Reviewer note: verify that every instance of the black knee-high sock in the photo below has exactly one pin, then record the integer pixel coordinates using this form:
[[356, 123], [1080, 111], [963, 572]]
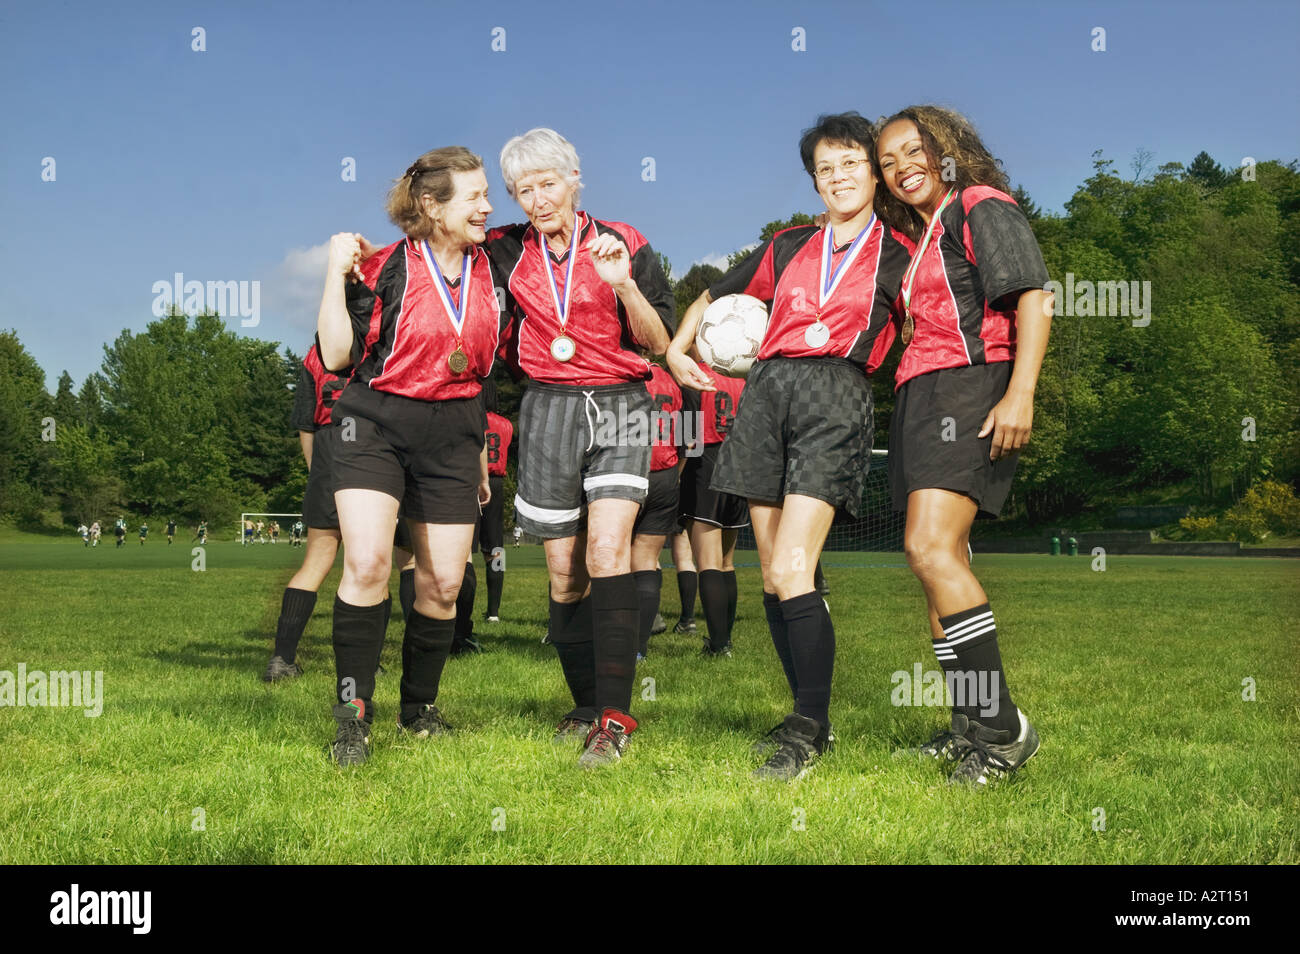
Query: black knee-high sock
[[496, 580], [295, 611], [614, 614], [687, 582], [733, 596], [812, 646], [972, 663], [781, 639], [406, 591], [647, 595], [713, 597], [425, 649], [465, 603], [358, 640], [571, 636]]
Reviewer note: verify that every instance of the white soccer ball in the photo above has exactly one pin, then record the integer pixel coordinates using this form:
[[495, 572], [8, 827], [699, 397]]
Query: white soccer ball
[[731, 333]]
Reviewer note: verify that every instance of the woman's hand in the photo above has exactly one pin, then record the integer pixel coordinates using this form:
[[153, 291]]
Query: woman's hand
[[686, 372], [1011, 421], [347, 251], [613, 263]]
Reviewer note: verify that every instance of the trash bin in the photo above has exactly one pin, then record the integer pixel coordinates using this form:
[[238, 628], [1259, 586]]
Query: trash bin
[[1056, 546], [1074, 547]]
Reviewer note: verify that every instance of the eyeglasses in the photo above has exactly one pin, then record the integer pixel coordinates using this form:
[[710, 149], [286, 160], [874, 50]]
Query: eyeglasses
[[826, 170]]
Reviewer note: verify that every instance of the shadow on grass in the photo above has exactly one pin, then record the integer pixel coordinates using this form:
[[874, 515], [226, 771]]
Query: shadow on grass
[[251, 652]]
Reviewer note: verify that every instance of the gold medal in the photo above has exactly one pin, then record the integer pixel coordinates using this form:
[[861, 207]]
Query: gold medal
[[457, 361], [909, 327]]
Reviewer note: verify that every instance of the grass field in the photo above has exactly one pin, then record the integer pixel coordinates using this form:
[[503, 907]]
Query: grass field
[[1134, 677]]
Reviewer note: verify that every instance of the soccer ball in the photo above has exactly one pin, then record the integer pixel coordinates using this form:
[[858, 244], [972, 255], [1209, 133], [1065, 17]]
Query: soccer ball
[[731, 333]]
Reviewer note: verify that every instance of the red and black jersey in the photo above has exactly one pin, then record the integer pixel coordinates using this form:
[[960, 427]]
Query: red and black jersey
[[402, 334], [605, 351], [317, 391], [667, 399], [981, 256], [500, 432], [717, 409], [784, 273]]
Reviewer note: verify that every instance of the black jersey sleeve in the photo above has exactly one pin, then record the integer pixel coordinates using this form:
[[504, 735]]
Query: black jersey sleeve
[[755, 275], [653, 284], [1005, 250], [303, 416]]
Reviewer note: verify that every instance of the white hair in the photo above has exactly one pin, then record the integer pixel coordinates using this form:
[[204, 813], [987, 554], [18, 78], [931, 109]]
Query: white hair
[[541, 150]]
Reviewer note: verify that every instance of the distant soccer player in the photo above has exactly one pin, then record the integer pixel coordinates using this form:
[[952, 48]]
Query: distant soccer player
[[314, 399], [492, 535], [202, 531], [144, 533], [275, 531], [119, 531], [519, 534], [658, 515], [295, 534], [248, 532], [714, 518], [94, 534], [171, 530]]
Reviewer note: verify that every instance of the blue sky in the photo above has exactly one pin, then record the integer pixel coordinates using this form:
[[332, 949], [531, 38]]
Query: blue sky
[[225, 164]]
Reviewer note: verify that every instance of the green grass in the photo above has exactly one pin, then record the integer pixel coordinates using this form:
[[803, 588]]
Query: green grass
[[1133, 677]]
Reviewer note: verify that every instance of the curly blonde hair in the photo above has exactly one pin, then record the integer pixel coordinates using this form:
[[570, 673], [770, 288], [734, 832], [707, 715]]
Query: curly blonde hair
[[945, 135]]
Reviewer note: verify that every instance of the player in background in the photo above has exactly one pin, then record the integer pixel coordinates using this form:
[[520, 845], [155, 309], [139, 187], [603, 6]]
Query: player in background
[[144, 533], [586, 295], [976, 320], [119, 531], [261, 531], [83, 531], [687, 576], [275, 531], [95, 533], [658, 516], [171, 530], [314, 398], [519, 535], [492, 538], [248, 533], [202, 531], [295, 533], [421, 323], [714, 518], [800, 446]]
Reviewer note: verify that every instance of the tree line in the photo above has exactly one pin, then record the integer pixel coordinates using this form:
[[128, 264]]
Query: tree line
[[1194, 401]]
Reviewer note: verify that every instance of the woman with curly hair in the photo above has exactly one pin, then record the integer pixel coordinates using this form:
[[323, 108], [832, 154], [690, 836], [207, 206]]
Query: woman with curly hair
[[975, 327]]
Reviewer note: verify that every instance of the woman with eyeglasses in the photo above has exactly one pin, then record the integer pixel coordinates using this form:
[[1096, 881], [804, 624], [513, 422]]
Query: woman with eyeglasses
[[800, 446]]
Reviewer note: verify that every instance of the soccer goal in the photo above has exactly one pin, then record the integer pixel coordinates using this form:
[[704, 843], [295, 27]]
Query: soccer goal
[[286, 521], [877, 531]]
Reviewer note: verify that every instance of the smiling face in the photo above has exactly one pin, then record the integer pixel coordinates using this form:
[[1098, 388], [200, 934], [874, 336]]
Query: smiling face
[[462, 218], [547, 199], [844, 178], [909, 172]]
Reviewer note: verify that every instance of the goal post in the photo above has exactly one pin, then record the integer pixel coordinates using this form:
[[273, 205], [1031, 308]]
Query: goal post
[[286, 521]]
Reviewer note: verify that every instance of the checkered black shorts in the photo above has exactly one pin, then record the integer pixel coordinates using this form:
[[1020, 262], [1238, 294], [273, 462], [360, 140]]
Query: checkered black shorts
[[804, 426], [579, 444]]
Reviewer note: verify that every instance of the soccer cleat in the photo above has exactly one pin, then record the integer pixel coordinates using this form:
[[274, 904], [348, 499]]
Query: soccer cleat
[[684, 626], [493, 619], [988, 755], [570, 729], [708, 652], [427, 722], [607, 739], [802, 740], [468, 644], [770, 742], [946, 746], [278, 669], [658, 625], [352, 742]]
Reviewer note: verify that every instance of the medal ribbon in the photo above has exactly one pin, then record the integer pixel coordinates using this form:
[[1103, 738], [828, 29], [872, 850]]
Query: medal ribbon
[[830, 281], [909, 277], [561, 311], [454, 314]]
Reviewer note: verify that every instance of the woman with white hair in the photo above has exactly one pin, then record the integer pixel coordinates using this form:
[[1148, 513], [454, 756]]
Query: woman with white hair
[[585, 296]]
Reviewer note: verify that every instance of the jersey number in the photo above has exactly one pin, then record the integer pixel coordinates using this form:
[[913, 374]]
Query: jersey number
[[724, 412], [493, 448]]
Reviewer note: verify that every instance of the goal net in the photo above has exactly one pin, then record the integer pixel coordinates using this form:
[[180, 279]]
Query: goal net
[[874, 538], [267, 522]]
